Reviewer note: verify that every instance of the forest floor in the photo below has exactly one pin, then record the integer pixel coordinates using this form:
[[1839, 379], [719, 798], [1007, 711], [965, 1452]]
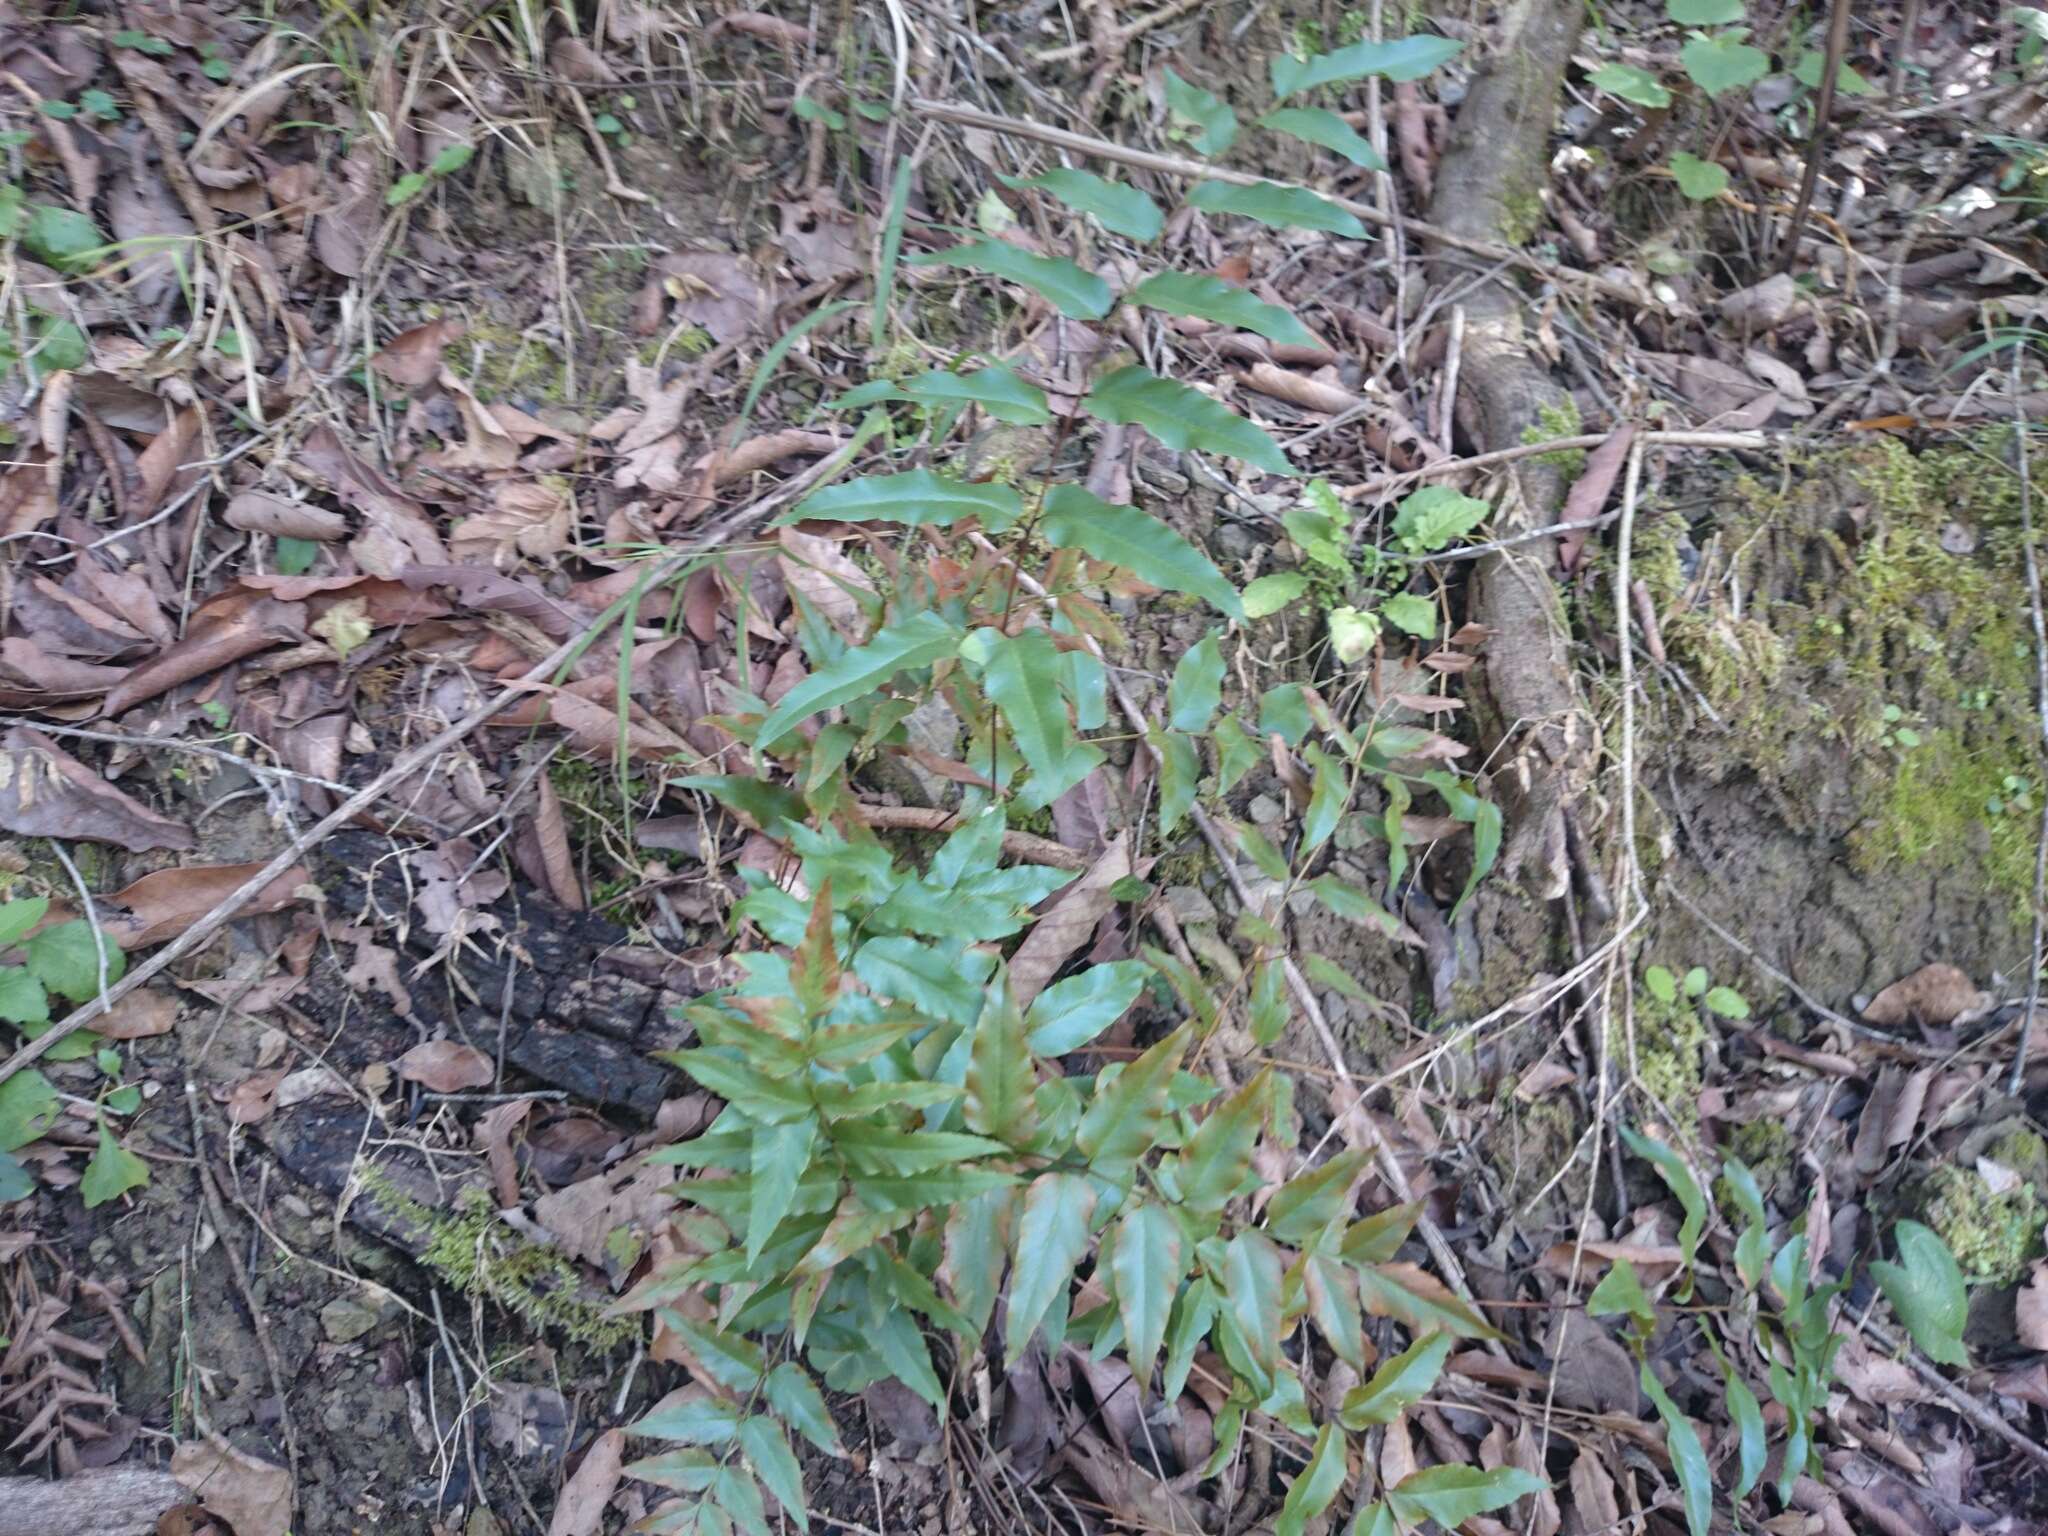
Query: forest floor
[[364, 364]]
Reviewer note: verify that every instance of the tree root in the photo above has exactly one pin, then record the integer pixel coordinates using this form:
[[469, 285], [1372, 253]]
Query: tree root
[[1488, 183]]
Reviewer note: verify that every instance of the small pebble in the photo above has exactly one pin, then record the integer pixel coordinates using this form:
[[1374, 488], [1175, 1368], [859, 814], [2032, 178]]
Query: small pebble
[[1265, 810]]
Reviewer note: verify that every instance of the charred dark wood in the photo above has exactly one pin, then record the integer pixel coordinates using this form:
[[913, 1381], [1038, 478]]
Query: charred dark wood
[[536, 989]]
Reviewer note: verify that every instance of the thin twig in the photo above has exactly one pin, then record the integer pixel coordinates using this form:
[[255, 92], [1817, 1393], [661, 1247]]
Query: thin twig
[[202, 932], [2019, 1060], [1816, 146], [1174, 165], [1734, 442], [1968, 1406]]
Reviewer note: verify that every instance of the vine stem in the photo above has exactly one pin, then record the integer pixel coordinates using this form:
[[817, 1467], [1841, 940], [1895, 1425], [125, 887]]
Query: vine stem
[[1355, 1125]]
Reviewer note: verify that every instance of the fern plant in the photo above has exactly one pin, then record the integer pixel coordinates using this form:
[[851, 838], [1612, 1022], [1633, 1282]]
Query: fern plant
[[900, 1150]]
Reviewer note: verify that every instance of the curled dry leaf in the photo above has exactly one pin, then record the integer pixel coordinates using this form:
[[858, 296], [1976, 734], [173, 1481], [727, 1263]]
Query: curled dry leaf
[[816, 569], [1935, 995], [261, 512], [253, 1496], [239, 623], [446, 1066], [530, 519], [45, 792], [254, 1098], [412, 359], [495, 1129], [1069, 922]]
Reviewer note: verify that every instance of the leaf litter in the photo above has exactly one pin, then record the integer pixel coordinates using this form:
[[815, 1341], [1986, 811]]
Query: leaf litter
[[291, 493]]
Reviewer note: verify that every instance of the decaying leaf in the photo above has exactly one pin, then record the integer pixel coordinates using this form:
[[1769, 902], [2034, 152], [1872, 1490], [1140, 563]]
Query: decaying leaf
[[579, 1511], [1067, 926], [446, 1066], [159, 907], [45, 792], [1936, 995], [253, 1496]]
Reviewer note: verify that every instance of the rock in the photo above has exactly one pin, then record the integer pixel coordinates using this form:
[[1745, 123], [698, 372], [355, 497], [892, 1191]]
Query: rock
[[1190, 904], [344, 1320], [1265, 810]]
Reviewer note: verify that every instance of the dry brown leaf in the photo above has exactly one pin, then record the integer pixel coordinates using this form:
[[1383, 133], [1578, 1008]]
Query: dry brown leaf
[[494, 1131], [237, 624], [582, 1216], [2032, 1309], [494, 592], [716, 290], [1589, 492], [531, 518], [141, 209], [1935, 995], [412, 359], [579, 1511], [138, 1015], [161, 906], [556, 856], [574, 59], [446, 1066], [1299, 389], [375, 967], [1069, 922], [45, 792], [167, 461], [311, 1083], [815, 568], [349, 214], [253, 1496], [397, 532], [27, 499], [254, 1098], [261, 512], [1593, 1497]]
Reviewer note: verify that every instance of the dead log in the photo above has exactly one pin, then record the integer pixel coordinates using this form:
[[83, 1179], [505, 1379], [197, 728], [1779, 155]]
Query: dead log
[[112, 1501]]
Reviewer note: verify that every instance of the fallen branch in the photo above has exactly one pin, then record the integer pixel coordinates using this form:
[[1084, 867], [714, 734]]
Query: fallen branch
[[1174, 165], [202, 932]]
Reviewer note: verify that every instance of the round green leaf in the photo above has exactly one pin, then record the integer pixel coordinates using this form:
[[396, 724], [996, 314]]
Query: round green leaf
[[1698, 179], [1722, 63], [1631, 84], [28, 1107], [66, 958], [1926, 1289], [63, 237], [1268, 594]]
